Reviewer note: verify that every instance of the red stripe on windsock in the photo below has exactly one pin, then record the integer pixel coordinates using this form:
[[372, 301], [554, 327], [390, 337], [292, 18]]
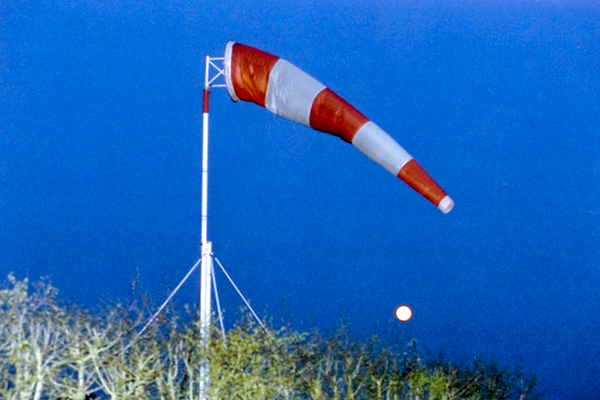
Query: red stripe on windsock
[[416, 177], [332, 114], [250, 70]]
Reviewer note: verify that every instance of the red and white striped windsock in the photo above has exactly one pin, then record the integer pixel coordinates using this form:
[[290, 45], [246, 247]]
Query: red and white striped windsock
[[269, 81]]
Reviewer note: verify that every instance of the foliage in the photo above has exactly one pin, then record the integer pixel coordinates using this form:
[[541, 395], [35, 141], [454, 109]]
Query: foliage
[[51, 351]]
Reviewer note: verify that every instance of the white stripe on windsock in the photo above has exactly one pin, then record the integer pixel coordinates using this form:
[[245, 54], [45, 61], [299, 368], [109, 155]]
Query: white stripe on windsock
[[380, 147], [291, 92]]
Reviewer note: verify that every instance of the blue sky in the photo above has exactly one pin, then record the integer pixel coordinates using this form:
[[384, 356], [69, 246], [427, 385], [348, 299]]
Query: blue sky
[[100, 128]]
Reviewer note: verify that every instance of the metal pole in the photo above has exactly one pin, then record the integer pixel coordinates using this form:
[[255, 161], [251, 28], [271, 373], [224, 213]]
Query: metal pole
[[206, 266]]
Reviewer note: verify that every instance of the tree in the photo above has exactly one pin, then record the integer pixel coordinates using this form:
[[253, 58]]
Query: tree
[[51, 351], [32, 339]]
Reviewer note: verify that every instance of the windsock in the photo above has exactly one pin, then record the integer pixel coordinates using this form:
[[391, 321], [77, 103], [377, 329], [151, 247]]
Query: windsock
[[271, 82]]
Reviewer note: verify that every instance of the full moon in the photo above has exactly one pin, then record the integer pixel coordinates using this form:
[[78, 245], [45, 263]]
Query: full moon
[[403, 313]]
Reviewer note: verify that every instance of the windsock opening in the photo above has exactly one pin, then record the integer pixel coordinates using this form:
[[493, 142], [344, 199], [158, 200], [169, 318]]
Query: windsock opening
[[446, 205]]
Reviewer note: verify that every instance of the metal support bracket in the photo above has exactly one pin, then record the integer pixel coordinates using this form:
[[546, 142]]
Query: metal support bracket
[[216, 69]]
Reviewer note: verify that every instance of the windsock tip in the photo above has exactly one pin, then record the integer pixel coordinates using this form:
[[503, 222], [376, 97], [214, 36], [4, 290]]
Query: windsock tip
[[446, 205]]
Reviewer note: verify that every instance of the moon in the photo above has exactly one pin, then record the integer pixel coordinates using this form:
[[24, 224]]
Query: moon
[[403, 313]]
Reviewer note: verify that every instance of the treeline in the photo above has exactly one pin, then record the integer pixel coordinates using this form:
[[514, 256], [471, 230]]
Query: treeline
[[53, 351]]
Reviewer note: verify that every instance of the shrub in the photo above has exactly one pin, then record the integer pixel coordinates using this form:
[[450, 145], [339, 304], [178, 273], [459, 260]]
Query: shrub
[[51, 351]]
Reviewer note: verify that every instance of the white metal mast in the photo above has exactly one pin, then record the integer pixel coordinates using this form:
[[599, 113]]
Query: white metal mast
[[207, 256], [206, 249]]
